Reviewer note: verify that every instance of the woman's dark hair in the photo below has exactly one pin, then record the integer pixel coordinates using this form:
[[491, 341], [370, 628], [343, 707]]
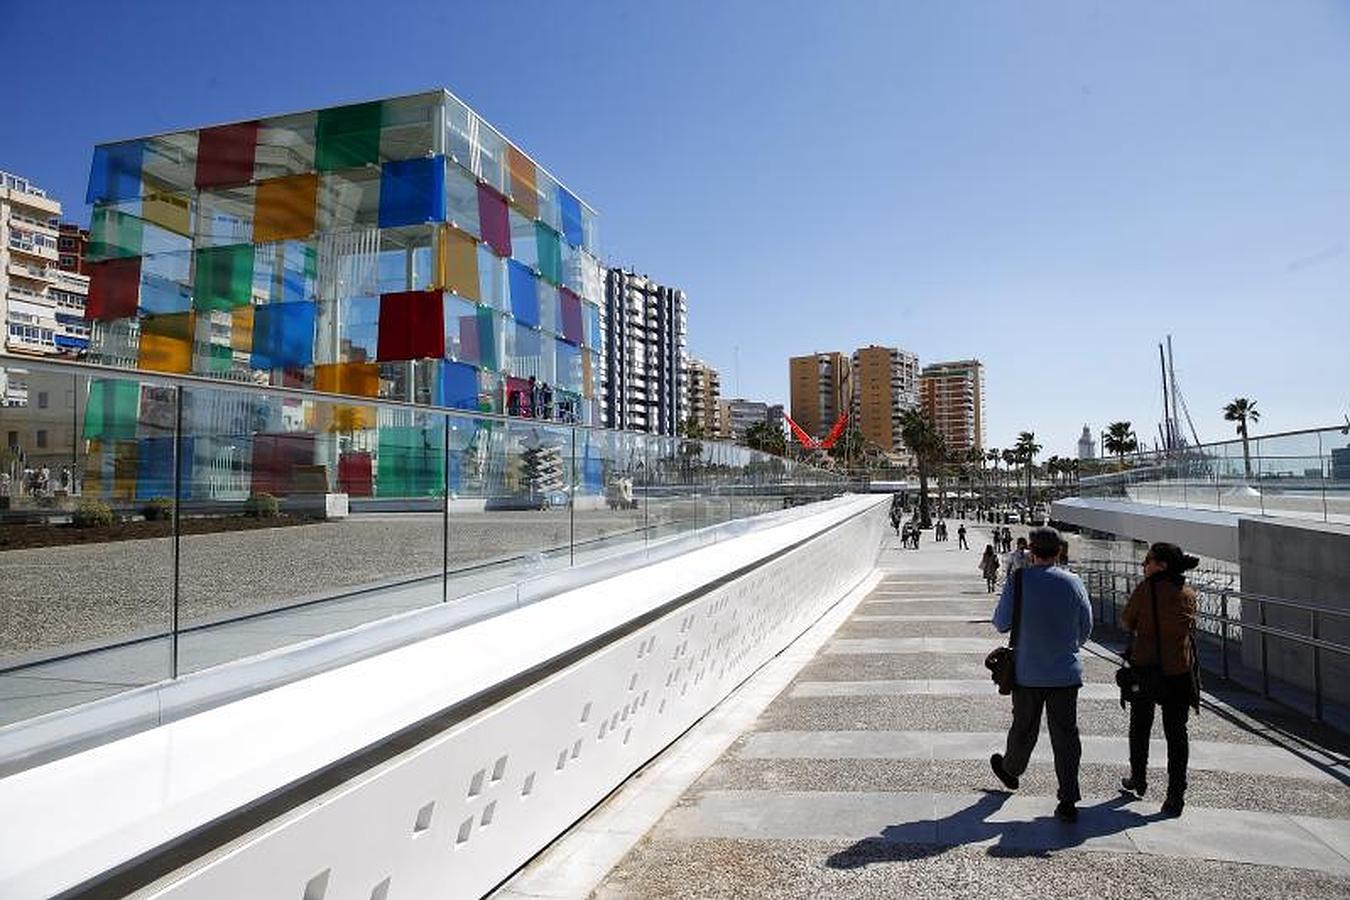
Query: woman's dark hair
[[988, 549], [1173, 559]]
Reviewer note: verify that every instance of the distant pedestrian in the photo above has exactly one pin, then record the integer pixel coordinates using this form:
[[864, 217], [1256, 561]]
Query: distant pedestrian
[[1160, 614], [1053, 621], [961, 543], [1020, 557], [896, 516], [989, 567]]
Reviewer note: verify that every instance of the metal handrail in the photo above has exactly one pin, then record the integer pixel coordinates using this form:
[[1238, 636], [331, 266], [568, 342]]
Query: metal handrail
[[1234, 593], [1313, 640]]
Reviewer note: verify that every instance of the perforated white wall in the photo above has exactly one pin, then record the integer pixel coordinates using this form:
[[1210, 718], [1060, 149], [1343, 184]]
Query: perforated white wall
[[457, 814]]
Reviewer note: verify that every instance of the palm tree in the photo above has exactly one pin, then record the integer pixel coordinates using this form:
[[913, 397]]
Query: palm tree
[[1026, 451], [923, 439], [993, 454], [1120, 440], [1243, 411]]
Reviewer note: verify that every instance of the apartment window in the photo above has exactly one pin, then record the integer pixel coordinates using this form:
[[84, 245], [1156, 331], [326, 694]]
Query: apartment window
[[42, 399], [42, 438]]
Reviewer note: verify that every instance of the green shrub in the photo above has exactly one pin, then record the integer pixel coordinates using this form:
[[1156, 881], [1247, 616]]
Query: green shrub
[[92, 514], [261, 506], [157, 509]]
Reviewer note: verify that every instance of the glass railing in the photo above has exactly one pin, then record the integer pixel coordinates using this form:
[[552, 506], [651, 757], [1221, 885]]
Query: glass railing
[[1300, 474], [153, 526]]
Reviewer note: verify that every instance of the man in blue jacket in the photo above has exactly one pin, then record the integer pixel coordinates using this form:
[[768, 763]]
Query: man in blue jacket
[[1055, 621]]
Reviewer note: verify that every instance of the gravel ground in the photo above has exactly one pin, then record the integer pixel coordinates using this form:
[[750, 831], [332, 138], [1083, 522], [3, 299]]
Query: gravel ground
[[52, 597], [1220, 790], [926, 712], [812, 869]]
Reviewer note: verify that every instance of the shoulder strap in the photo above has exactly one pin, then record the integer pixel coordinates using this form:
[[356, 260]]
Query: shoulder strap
[[1017, 607], [1157, 623]]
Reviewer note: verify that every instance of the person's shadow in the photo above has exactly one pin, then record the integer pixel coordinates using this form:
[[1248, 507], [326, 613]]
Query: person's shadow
[[932, 836]]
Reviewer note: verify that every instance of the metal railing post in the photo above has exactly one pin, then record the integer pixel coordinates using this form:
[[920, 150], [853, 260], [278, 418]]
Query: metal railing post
[[1223, 632], [177, 522]]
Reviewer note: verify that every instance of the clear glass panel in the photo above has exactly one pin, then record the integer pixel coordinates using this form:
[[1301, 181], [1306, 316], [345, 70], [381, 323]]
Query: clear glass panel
[[85, 476], [524, 247], [407, 261], [263, 466], [285, 146], [462, 200]]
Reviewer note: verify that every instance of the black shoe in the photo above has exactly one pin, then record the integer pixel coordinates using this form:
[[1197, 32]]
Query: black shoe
[[1173, 806], [1066, 812], [1131, 786], [996, 763]]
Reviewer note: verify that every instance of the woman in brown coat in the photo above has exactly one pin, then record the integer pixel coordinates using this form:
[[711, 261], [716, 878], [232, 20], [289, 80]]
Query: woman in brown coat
[[1170, 680]]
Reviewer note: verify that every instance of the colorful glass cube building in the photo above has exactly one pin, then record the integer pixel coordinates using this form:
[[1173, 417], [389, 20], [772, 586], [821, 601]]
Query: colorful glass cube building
[[400, 248]]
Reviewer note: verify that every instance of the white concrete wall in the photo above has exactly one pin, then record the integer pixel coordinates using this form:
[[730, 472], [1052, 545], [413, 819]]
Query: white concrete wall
[[457, 813], [1212, 534]]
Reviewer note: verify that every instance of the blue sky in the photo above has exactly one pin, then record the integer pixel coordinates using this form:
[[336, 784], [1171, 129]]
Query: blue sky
[[1051, 187]]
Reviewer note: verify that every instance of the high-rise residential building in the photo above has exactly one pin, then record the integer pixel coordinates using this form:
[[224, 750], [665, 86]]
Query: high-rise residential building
[[952, 393], [739, 414], [401, 247], [43, 308], [885, 385], [821, 386], [645, 354], [703, 387], [72, 243]]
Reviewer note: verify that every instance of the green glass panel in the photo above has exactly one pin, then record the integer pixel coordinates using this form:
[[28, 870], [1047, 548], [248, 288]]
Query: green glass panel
[[550, 252], [220, 359], [487, 338], [411, 461], [112, 410], [224, 278], [114, 234], [348, 136]]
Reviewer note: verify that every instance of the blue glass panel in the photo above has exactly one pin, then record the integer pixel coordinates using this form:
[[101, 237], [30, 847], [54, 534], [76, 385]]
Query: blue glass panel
[[283, 335], [116, 172], [524, 294], [457, 386], [592, 326], [154, 468], [570, 207], [160, 295], [412, 191]]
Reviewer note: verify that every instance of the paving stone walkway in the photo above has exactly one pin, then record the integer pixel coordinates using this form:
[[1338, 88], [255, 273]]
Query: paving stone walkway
[[868, 777]]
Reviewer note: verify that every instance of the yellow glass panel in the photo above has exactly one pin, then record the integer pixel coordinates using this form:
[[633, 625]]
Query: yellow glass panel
[[342, 418], [241, 329], [524, 191], [459, 263], [169, 211], [124, 470], [166, 343], [357, 379], [164, 353], [284, 208]]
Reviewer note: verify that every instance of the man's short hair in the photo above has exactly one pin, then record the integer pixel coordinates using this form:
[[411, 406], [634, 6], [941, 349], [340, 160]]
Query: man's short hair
[[1044, 542]]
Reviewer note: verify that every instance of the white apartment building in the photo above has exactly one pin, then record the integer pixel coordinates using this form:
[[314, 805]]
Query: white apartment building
[[42, 306], [645, 325]]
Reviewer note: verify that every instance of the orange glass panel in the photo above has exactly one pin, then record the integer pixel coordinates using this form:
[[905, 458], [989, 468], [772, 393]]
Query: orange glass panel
[[357, 379], [284, 208], [524, 191], [459, 263], [241, 329]]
